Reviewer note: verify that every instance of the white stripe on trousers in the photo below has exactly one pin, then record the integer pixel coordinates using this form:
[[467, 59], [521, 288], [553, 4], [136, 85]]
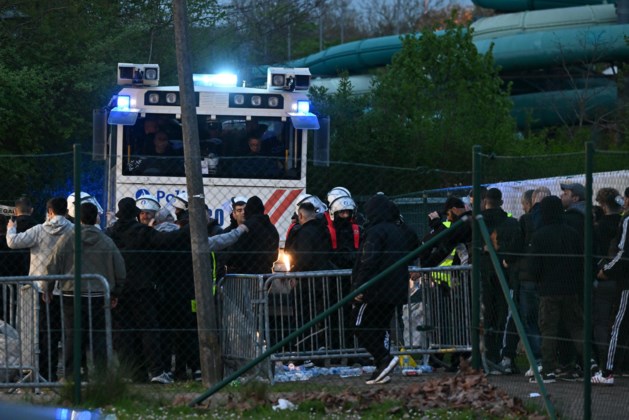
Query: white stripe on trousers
[[361, 311], [505, 333], [620, 315]]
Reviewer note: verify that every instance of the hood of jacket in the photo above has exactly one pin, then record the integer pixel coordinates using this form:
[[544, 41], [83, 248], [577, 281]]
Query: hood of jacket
[[551, 210], [90, 234], [380, 209], [57, 225], [254, 206]]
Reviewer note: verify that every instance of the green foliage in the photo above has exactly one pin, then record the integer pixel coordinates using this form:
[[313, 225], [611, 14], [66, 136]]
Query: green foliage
[[438, 98]]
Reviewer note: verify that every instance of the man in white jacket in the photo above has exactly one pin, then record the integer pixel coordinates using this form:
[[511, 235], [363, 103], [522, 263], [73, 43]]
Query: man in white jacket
[[41, 239]]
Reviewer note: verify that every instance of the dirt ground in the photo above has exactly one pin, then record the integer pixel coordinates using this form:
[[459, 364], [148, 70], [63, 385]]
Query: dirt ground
[[440, 389], [608, 402]]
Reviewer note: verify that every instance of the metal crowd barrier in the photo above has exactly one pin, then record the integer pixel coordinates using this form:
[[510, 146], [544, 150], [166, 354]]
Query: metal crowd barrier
[[259, 311], [32, 331]]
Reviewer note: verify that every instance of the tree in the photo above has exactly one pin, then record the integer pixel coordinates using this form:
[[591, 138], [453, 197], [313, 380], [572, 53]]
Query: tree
[[57, 63], [437, 99]]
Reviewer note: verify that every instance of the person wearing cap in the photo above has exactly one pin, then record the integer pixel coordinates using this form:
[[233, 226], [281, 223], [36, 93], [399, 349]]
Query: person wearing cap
[[573, 201], [454, 249], [460, 241]]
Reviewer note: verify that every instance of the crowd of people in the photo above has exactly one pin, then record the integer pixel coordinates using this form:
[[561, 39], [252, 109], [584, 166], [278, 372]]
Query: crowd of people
[[542, 257], [145, 255]]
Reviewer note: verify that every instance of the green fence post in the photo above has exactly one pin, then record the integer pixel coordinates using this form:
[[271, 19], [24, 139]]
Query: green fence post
[[516, 315], [587, 284], [76, 348], [476, 250]]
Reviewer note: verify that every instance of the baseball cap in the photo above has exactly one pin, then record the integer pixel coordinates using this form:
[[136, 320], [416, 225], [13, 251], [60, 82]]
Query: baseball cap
[[576, 188]]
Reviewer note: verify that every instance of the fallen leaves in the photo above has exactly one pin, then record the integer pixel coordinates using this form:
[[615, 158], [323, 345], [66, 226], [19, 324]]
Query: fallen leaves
[[466, 390]]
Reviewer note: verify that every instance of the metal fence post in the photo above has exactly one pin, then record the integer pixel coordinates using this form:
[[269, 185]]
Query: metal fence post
[[587, 284], [476, 250], [77, 276]]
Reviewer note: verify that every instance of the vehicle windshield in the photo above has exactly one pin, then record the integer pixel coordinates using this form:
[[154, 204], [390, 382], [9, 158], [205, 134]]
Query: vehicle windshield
[[231, 147]]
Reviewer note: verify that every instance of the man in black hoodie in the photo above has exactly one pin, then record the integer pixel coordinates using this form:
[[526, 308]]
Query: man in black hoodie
[[255, 252], [386, 241], [136, 313], [555, 260]]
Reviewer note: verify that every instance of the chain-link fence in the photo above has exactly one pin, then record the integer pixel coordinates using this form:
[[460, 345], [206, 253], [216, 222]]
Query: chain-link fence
[[431, 328]]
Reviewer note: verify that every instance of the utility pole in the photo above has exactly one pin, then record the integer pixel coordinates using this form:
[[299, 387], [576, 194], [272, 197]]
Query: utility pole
[[209, 345]]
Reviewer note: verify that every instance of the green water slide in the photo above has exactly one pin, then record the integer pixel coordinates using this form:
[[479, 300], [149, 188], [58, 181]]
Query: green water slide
[[521, 5], [526, 44]]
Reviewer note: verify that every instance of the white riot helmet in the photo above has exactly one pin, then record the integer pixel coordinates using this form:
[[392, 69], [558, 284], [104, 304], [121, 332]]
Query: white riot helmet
[[337, 192], [319, 205], [180, 200], [340, 204], [85, 198], [147, 202]]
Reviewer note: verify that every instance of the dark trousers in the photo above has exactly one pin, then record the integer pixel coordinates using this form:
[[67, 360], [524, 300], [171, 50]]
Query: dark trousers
[[619, 331], [98, 343], [137, 337], [494, 316], [49, 337], [528, 305], [604, 304], [309, 303], [553, 311], [179, 334], [510, 334], [372, 323]]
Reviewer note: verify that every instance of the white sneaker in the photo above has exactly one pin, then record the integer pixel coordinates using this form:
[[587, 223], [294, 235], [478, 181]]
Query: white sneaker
[[505, 365], [529, 373], [163, 378], [384, 380], [382, 370], [600, 379]]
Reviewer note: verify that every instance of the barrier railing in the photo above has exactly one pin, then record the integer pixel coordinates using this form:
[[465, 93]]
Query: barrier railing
[[259, 311], [33, 344]]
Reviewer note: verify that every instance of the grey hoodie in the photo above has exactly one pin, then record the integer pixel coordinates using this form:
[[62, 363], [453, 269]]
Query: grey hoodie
[[99, 256], [40, 239]]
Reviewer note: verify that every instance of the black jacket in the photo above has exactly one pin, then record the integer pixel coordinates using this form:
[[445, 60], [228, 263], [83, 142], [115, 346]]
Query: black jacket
[[255, 252], [556, 254], [309, 246], [385, 242], [140, 246], [616, 266], [463, 235]]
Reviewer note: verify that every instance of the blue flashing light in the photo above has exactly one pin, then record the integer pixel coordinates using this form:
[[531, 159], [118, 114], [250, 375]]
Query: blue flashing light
[[303, 107], [63, 414], [123, 102]]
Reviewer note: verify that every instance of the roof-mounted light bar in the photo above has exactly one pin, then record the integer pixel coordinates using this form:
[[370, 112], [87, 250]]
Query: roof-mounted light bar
[[138, 74]]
